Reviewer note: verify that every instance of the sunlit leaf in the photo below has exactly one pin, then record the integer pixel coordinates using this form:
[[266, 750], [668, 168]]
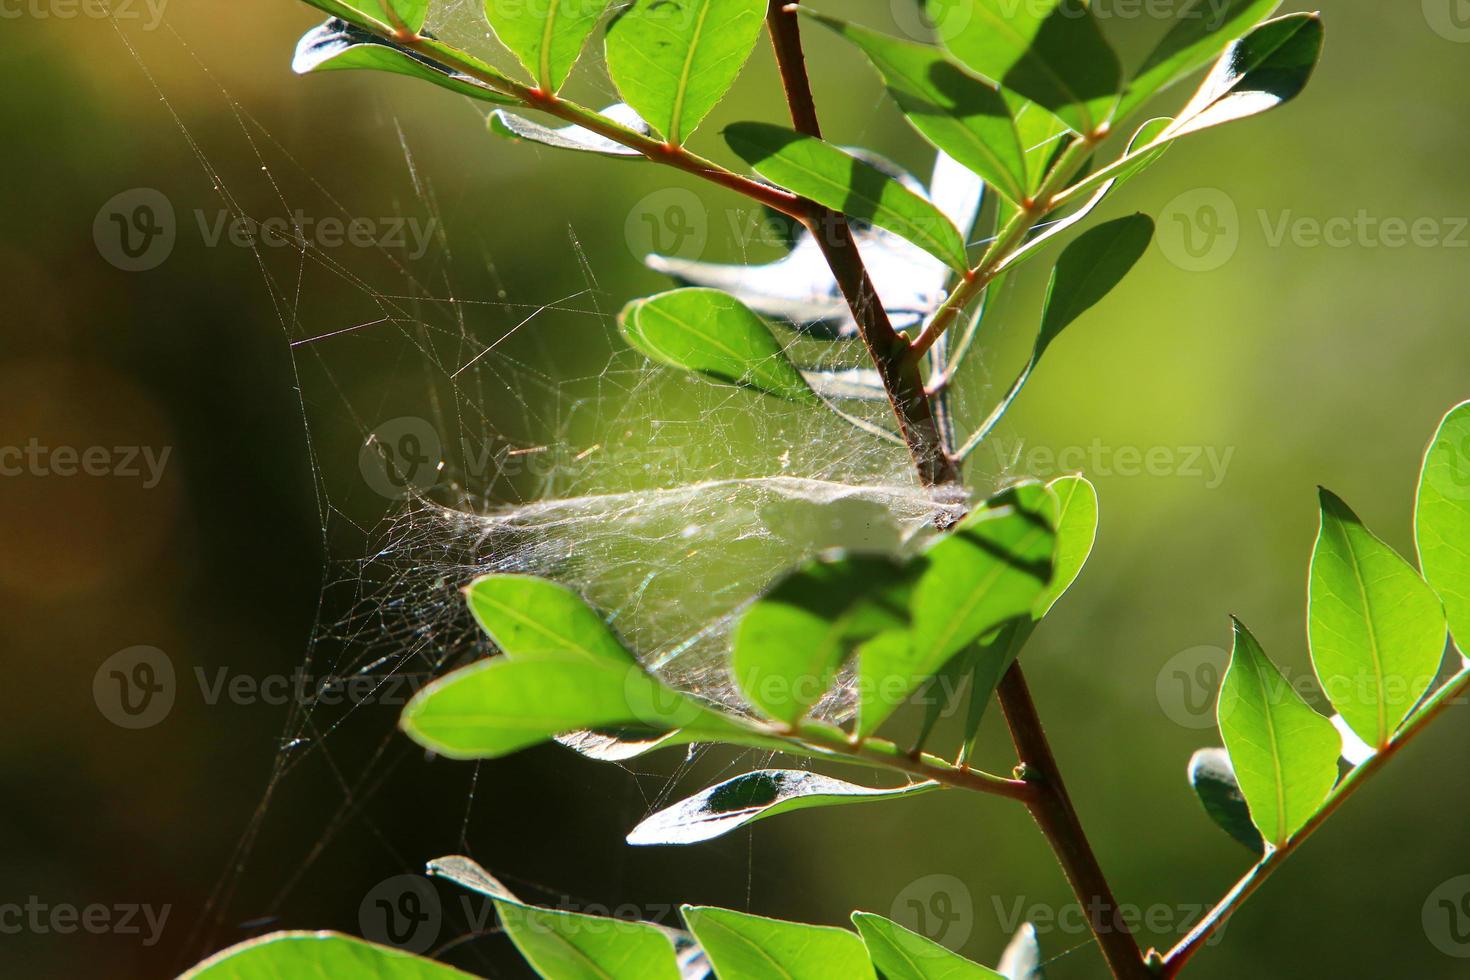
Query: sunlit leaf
[[1049, 51], [547, 36], [902, 954], [750, 947], [1200, 32], [1088, 269], [501, 705], [318, 954], [1022, 957], [843, 182], [1213, 780], [1442, 519], [960, 114], [337, 46], [1267, 67], [381, 13], [714, 334], [673, 60], [754, 796], [512, 126], [1284, 754], [1377, 631], [528, 616], [1146, 141], [1355, 751]]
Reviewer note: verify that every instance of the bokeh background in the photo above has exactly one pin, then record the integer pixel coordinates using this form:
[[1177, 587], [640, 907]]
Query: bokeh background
[[1255, 357]]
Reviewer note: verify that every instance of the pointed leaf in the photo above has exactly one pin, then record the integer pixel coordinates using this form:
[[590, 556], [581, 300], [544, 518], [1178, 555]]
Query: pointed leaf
[[547, 36], [1284, 754], [1049, 51], [338, 46], [1022, 957], [512, 126], [1200, 32], [1215, 785], [902, 954], [673, 60], [1077, 519], [501, 705], [714, 334], [318, 954], [1146, 141], [528, 616], [960, 114], [1267, 67], [754, 796], [1088, 270], [751, 947], [1377, 630], [1442, 519], [790, 642], [840, 181]]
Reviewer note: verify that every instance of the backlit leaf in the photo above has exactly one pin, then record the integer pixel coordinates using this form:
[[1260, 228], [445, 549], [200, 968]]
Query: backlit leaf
[[751, 947], [1200, 32], [902, 954], [1442, 519], [547, 36], [318, 954], [338, 46], [528, 616]]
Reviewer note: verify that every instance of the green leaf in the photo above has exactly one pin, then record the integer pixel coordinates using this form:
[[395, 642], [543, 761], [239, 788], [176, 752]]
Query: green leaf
[[750, 947], [1200, 32], [1146, 142], [994, 566], [338, 46], [528, 616], [673, 60], [1442, 519], [502, 705], [1077, 520], [570, 945], [754, 796], [1022, 957], [789, 644], [1284, 754], [517, 127], [714, 334], [318, 954], [1090, 266], [1049, 51], [1269, 66], [368, 13], [1377, 631], [902, 954], [1214, 783], [958, 113], [547, 36], [838, 180]]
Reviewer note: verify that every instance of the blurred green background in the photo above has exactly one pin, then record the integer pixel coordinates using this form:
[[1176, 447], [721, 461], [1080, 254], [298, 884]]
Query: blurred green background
[[1254, 370]]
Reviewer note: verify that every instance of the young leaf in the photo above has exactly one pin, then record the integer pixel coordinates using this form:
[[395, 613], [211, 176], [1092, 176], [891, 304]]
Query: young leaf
[[1022, 957], [1215, 785], [501, 705], [512, 126], [1377, 631], [791, 641], [751, 947], [1442, 519], [569, 945], [754, 796], [995, 566], [961, 115], [528, 616], [673, 60], [1199, 33], [318, 954], [840, 181], [902, 954], [714, 334], [382, 13], [337, 46], [1284, 754], [547, 36], [1088, 269], [1077, 519], [1108, 179], [1049, 51], [1269, 66]]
